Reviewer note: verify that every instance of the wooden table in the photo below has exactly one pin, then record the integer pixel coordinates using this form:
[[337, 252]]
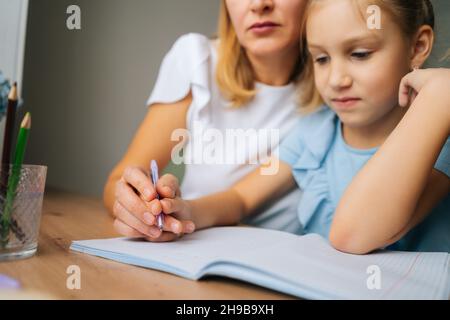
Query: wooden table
[[67, 217]]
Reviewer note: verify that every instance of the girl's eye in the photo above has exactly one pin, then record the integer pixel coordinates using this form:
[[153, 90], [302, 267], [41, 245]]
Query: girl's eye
[[321, 60], [361, 54]]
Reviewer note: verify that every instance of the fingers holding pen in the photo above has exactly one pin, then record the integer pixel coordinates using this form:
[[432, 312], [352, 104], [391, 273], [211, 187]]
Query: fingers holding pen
[[168, 186], [176, 215], [137, 206], [172, 231], [127, 197], [127, 231], [176, 226], [128, 225], [178, 218], [126, 217], [165, 237], [138, 179]]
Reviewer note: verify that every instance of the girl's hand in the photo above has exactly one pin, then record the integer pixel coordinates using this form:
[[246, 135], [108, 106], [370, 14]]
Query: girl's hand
[[178, 217], [436, 80], [136, 206]]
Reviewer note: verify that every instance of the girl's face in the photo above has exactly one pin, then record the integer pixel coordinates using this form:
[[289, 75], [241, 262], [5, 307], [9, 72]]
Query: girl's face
[[267, 27], [357, 71]]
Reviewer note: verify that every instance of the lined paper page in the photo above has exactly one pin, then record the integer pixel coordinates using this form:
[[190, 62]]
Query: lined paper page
[[190, 254], [312, 264], [306, 266]]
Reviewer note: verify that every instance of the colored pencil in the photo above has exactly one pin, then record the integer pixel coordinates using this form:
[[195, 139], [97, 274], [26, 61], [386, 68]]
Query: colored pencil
[[14, 179]]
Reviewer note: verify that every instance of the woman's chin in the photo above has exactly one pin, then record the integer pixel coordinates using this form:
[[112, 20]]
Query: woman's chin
[[265, 47]]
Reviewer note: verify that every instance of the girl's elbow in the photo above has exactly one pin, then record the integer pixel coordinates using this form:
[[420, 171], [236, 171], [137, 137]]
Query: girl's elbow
[[348, 235], [350, 241]]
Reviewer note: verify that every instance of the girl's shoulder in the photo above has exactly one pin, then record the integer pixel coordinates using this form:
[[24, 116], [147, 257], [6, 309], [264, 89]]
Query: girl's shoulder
[[311, 138], [443, 161], [314, 125], [316, 120]]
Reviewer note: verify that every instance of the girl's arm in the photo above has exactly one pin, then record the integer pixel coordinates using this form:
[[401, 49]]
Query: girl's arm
[[229, 207], [243, 199], [398, 186]]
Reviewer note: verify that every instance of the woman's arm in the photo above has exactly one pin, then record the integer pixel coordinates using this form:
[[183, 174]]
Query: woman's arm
[[151, 141], [398, 186]]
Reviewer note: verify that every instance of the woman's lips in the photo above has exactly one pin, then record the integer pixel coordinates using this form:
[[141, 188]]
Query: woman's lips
[[262, 28], [345, 103]]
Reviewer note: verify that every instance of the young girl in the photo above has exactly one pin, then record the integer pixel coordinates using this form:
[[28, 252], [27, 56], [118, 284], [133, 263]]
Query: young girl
[[374, 168], [240, 81]]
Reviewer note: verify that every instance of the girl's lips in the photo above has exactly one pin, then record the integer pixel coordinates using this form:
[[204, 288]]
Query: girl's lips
[[345, 103]]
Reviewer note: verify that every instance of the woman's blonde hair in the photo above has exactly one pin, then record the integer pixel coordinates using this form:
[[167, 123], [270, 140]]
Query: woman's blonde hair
[[234, 73]]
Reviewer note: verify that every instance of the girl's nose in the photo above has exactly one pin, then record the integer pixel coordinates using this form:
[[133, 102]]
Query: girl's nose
[[339, 78], [261, 6]]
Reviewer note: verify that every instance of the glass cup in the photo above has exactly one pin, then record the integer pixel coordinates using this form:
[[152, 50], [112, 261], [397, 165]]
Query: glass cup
[[21, 196]]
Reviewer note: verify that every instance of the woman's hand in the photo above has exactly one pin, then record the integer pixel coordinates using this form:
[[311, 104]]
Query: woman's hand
[[437, 80], [136, 207]]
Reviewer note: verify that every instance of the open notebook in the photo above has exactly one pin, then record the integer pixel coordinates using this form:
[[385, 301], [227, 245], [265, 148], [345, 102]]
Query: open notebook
[[304, 266]]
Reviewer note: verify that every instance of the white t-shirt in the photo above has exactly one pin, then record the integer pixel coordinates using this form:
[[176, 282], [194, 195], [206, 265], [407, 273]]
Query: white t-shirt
[[225, 143]]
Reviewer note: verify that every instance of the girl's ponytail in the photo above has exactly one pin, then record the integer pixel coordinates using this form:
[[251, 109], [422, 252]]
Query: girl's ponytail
[[428, 13]]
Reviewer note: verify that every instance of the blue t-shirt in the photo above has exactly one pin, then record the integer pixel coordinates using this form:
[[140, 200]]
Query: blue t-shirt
[[323, 166]]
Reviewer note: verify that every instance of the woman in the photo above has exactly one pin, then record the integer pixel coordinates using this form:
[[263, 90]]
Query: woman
[[245, 80]]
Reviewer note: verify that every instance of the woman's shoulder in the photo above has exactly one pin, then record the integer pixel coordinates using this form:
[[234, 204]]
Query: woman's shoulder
[[193, 38], [191, 48], [186, 63]]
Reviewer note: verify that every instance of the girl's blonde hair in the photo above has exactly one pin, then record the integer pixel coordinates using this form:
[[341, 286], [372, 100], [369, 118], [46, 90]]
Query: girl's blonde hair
[[234, 73], [446, 56], [410, 15]]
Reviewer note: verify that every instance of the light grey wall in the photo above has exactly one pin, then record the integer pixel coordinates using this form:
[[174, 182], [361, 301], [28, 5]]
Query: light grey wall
[[13, 17], [87, 89], [442, 43], [13, 22]]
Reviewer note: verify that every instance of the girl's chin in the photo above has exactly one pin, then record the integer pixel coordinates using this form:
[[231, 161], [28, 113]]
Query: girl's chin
[[353, 120]]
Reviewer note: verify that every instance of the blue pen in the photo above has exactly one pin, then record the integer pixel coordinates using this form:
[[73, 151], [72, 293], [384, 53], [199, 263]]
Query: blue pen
[[154, 171]]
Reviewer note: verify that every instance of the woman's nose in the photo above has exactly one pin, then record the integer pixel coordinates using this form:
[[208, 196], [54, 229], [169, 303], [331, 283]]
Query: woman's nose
[[261, 6]]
